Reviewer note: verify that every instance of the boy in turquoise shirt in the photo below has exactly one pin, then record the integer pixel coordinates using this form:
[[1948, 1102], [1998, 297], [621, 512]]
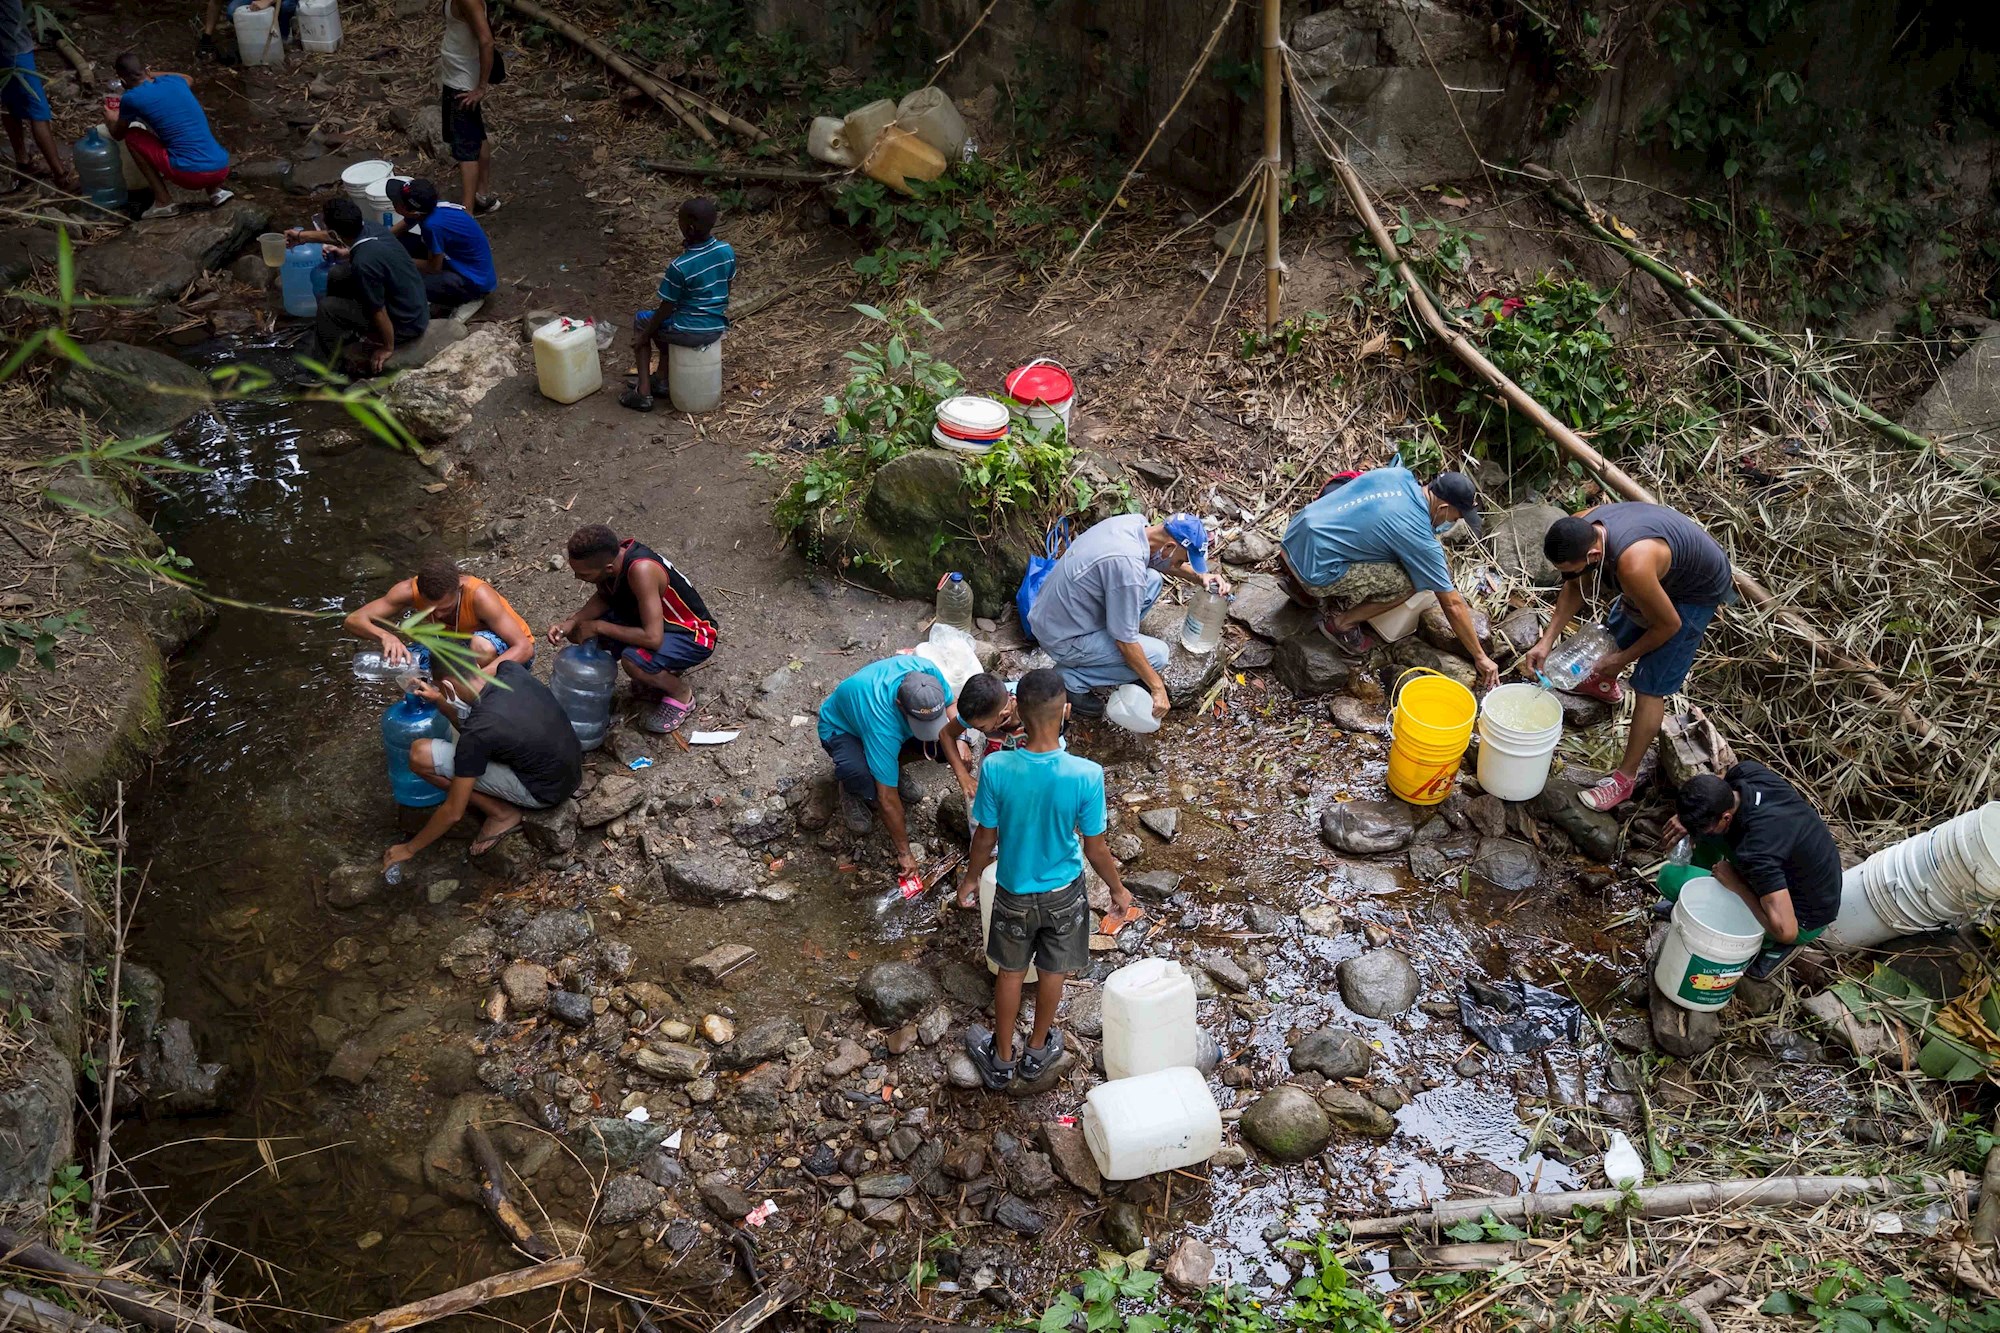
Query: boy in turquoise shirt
[[1044, 807]]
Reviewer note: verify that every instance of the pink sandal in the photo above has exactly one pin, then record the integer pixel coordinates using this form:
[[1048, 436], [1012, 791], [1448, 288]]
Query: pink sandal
[[1612, 792], [667, 716]]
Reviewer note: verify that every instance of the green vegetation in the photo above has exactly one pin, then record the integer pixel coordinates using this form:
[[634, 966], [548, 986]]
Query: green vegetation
[[1118, 1298], [1847, 1300]]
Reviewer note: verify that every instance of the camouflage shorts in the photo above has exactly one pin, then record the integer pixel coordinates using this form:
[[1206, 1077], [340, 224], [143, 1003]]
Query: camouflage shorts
[[1361, 584]]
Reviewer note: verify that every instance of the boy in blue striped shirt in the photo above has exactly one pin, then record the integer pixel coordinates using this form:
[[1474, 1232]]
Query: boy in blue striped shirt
[[694, 301]]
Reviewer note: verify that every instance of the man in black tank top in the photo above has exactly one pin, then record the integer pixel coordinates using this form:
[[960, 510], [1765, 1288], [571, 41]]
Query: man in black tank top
[[647, 614], [1668, 577]]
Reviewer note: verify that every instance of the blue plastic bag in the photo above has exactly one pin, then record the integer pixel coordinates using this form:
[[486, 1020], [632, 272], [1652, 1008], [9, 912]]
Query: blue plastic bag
[[1038, 572]]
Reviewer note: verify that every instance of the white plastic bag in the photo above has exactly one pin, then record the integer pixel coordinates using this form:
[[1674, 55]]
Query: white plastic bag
[[950, 650]]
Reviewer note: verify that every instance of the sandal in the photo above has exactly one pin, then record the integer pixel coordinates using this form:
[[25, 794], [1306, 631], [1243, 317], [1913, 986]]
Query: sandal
[[994, 1072], [1035, 1063], [1594, 686], [638, 402], [667, 716], [481, 846], [1354, 642], [1612, 792]]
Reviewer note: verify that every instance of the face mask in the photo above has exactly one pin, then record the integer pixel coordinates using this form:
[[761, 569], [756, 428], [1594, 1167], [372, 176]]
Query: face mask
[[1160, 561], [459, 707], [1440, 529]]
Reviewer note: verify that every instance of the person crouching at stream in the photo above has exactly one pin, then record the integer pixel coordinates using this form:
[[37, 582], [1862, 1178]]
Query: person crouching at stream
[[1044, 807], [516, 750], [647, 613], [1755, 833], [374, 298], [456, 601]]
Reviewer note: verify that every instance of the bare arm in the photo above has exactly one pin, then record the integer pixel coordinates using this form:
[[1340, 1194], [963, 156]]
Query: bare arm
[[457, 797], [1568, 602], [372, 621], [1097, 851], [967, 783], [1460, 616], [1773, 910], [1135, 657], [494, 619], [474, 13], [1639, 576], [1212, 581], [891, 803], [571, 629]]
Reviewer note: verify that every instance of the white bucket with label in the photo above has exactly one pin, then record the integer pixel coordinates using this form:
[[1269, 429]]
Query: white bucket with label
[[989, 884], [1520, 726], [1713, 937]]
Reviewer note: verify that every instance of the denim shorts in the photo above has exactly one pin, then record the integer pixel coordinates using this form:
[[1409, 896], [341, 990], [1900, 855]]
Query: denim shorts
[[677, 652], [1050, 930], [1664, 670]]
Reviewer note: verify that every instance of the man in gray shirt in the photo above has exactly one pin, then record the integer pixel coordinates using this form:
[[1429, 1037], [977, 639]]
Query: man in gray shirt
[[1087, 614]]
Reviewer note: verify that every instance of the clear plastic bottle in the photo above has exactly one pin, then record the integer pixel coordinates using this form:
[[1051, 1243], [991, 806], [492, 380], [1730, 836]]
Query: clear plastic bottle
[[1575, 656], [954, 602], [1683, 852], [371, 666], [114, 97], [582, 682], [1202, 630]]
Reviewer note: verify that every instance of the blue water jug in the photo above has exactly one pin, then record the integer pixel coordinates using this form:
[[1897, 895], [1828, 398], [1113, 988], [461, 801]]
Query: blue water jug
[[100, 170], [408, 720], [300, 282], [583, 681]]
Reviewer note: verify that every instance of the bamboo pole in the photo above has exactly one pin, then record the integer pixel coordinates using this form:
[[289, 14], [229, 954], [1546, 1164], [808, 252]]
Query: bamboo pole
[[86, 73], [470, 1296], [1578, 448], [617, 64], [1274, 119], [34, 1315], [731, 172], [154, 1309], [1566, 198]]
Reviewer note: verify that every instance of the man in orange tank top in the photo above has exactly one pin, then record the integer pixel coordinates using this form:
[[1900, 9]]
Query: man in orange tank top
[[456, 601]]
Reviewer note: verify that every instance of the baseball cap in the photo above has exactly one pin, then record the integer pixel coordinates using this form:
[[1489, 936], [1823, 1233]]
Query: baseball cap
[[1456, 490], [1188, 531], [413, 193], [921, 699]]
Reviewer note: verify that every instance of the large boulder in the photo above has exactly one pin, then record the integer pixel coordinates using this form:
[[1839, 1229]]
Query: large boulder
[[1308, 665], [1381, 983], [1261, 605], [435, 402], [1287, 1125], [1515, 538], [895, 992], [155, 261], [21, 248], [1963, 407], [708, 876], [1596, 833], [439, 335], [1187, 675], [36, 1125], [130, 391]]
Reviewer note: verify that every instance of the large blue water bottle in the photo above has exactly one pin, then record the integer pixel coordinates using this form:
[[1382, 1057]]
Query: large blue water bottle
[[99, 170], [302, 264], [408, 720]]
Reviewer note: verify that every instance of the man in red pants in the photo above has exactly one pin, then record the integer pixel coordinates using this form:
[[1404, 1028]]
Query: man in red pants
[[167, 131]]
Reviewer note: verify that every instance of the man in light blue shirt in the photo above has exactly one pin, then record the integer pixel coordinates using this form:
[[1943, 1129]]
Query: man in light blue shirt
[[1369, 545], [1044, 808]]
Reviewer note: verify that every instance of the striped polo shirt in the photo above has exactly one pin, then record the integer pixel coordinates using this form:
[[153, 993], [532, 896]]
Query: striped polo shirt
[[697, 283]]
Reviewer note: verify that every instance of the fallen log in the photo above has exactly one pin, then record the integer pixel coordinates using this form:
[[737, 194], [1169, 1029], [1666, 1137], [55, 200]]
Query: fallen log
[[493, 1194], [20, 1310], [725, 172], [1613, 476], [470, 1296], [617, 64], [761, 1307], [86, 73], [1659, 1201], [154, 1309]]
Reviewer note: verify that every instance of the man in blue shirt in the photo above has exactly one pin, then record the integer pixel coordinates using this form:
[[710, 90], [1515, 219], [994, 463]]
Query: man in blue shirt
[[23, 104], [1044, 807], [447, 243], [173, 145], [1369, 545], [694, 301]]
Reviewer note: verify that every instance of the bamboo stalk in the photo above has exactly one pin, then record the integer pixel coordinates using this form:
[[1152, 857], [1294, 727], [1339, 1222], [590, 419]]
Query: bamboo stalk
[[20, 1310], [1274, 119], [729, 171], [154, 1309], [470, 1296], [617, 64], [1578, 448]]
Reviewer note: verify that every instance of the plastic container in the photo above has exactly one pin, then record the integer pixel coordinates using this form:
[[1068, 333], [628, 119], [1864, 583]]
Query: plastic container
[[1939, 878], [989, 884], [114, 97], [1622, 1168], [1131, 707], [301, 279], [257, 39], [865, 124], [100, 175], [958, 444], [974, 417], [1713, 938], [1573, 658], [827, 142], [930, 114], [272, 244], [357, 178], [694, 377], [954, 602], [1155, 1122], [318, 23], [953, 652], [582, 682], [1429, 726], [1858, 926], [1520, 726], [566, 364], [1207, 612], [899, 157], [1400, 622], [405, 722], [378, 208], [1149, 1020], [371, 666], [1046, 393]]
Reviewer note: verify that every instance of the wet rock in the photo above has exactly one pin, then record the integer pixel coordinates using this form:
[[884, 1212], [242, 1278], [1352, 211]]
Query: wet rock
[[1287, 1125], [671, 1062], [1596, 833], [614, 794], [354, 884], [933, 1026], [721, 961], [570, 1007], [1156, 472], [895, 992], [1071, 1156], [527, 987], [546, 934], [437, 400], [1582, 713], [1367, 828], [1469, 1067], [1381, 983], [551, 832], [1436, 630], [156, 262], [178, 1081], [1163, 824], [131, 390], [721, 1196], [1356, 1112], [473, 955], [1227, 972], [440, 891], [756, 1104], [716, 1030], [621, 1143], [1357, 715], [1507, 864], [1265, 920], [1335, 1053], [1030, 1174], [449, 1170], [1192, 1266], [628, 1198], [708, 877], [1260, 605], [1153, 885], [1514, 536], [847, 1058], [1308, 665], [760, 824], [1018, 1217], [1677, 1031], [1322, 919], [1126, 847], [1123, 1228]]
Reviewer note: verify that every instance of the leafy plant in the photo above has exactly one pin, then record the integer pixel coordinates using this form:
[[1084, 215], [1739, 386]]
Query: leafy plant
[[38, 638], [831, 1310], [1329, 1297], [1097, 1296], [1847, 1300], [67, 1220]]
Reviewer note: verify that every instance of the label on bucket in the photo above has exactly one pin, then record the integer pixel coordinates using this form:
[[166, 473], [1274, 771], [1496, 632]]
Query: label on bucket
[[1709, 983]]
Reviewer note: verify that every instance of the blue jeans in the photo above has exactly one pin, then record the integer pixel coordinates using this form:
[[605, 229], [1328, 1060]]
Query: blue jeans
[[286, 9], [1091, 660], [1664, 670]]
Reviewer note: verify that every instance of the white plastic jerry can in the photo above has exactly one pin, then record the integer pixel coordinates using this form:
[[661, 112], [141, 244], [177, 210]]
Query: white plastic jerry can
[[566, 364]]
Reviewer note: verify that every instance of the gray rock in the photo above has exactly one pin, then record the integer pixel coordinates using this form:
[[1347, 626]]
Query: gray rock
[[1030, 1174], [933, 1026], [1333, 1052], [1415, 652], [437, 400], [1265, 920], [1515, 538], [847, 1058], [722, 1197], [1086, 1012], [1581, 712], [1488, 814], [1322, 919], [671, 1061], [552, 831], [1157, 472], [1164, 824], [760, 824], [1355, 1112], [178, 1080], [1153, 885], [621, 1143], [1380, 983], [130, 390], [21, 249], [756, 1102], [721, 961], [1018, 1217], [959, 1071], [1126, 847], [1685, 1033], [1227, 972], [708, 877], [764, 1040], [570, 1007], [1249, 548], [440, 891], [1507, 863], [895, 992], [1357, 715], [1307, 665], [1287, 1125], [1192, 1266], [562, 930], [155, 261], [1261, 605], [1965, 402], [354, 884], [1516, 634], [527, 987], [1367, 828], [910, 500], [1596, 833], [614, 794], [1123, 1227], [628, 1198], [472, 955], [1071, 1156], [1437, 631]]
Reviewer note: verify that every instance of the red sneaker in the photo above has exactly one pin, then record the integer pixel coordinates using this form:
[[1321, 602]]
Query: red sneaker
[[1594, 686]]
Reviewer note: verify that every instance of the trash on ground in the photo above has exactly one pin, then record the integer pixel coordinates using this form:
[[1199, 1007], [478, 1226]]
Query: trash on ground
[[1515, 1018]]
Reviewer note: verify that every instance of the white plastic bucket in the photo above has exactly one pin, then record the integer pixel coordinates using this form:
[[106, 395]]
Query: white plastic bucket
[[378, 208], [1400, 622], [1154, 1122], [319, 26], [1857, 926], [1713, 938], [357, 179], [257, 40], [958, 446], [694, 377], [1519, 728]]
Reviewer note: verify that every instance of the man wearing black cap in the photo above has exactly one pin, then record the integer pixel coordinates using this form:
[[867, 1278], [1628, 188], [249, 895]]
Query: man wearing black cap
[[864, 725], [448, 246], [1371, 545]]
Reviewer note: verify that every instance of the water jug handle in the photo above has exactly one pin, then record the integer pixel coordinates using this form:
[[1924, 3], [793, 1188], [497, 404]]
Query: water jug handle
[[1397, 688]]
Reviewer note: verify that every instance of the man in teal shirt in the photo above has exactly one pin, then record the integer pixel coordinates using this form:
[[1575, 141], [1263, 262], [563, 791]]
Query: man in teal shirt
[[1044, 807]]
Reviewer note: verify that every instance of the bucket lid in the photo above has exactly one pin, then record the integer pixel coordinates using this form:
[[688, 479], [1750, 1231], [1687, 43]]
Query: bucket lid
[[961, 433], [961, 445], [984, 417], [363, 174], [1042, 382]]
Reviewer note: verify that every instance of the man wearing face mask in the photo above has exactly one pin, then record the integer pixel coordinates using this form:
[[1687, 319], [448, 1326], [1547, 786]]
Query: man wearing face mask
[[1371, 545], [1087, 614], [515, 751]]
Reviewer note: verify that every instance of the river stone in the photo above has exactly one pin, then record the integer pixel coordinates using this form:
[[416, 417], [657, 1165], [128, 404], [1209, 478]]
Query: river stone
[[1126, 847], [1322, 919], [354, 884], [760, 824], [1514, 536], [1380, 983], [1581, 712], [554, 932], [1018, 1217], [527, 987], [1333, 1052], [37, 1123], [1153, 885], [1435, 627], [1367, 828], [672, 1061], [959, 1071], [571, 1007], [1260, 604], [621, 1143], [1265, 920], [472, 955], [894, 992], [719, 1192], [1356, 1112], [1415, 653], [1228, 973], [708, 877], [1507, 863], [614, 794], [122, 409], [1071, 1156], [155, 261], [1357, 715], [628, 1198], [437, 400], [1596, 833], [21, 249], [448, 1168], [1164, 824], [1308, 665], [756, 1102], [1515, 635], [1085, 1015], [1286, 1124], [1192, 1266], [1123, 1227], [1249, 548], [552, 831], [766, 1039], [922, 495]]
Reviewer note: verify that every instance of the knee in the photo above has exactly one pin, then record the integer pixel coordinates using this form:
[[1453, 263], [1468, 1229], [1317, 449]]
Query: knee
[[1156, 651], [420, 757]]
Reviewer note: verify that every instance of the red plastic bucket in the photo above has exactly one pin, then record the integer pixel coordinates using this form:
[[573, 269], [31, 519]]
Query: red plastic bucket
[[1046, 390]]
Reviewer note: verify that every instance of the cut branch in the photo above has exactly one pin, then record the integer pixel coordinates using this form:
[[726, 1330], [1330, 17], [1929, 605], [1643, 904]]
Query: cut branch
[[20, 1310], [470, 1296], [726, 172], [493, 1194], [152, 1308]]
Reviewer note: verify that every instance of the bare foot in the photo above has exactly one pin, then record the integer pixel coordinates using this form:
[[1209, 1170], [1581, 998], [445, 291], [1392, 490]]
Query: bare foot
[[495, 828]]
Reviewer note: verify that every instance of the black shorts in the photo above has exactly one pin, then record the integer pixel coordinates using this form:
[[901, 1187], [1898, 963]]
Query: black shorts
[[1050, 930], [464, 126]]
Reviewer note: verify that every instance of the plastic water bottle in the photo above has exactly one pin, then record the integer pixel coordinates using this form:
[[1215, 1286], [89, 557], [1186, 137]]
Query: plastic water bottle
[[582, 682], [301, 278], [954, 602], [114, 97], [407, 721], [1201, 632], [1622, 1166], [99, 172], [1682, 854], [371, 666], [1575, 656]]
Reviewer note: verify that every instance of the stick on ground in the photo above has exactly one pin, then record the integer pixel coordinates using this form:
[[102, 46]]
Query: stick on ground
[[493, 1194], [470, 1296], [154, 1309]]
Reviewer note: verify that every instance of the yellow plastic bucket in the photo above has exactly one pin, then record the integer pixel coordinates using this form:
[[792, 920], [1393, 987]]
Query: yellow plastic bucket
[[1430, 725]]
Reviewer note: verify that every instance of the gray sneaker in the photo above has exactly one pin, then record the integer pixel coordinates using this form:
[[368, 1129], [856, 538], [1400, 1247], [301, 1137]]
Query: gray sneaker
[[994, 1072], [855, 811], [1033, 1063]]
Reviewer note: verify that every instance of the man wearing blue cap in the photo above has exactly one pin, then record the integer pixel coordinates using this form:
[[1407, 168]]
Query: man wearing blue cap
[[1087, 614]]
